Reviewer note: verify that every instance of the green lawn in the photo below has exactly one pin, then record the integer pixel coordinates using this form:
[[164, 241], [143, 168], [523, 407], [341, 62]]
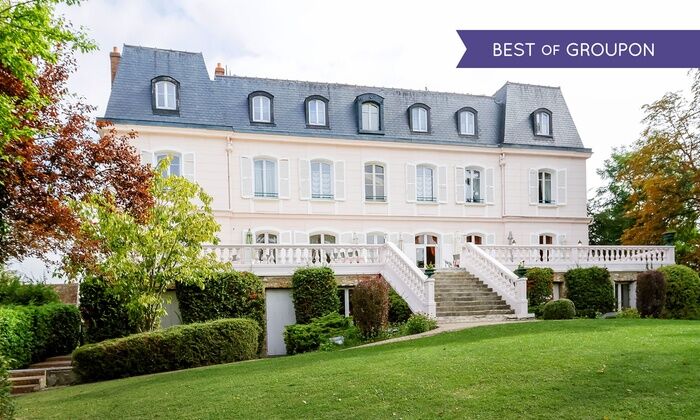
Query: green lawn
[[554, 369]]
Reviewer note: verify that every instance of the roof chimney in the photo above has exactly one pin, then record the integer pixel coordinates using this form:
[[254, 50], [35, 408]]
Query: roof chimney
[[114, 58], [219, 71]]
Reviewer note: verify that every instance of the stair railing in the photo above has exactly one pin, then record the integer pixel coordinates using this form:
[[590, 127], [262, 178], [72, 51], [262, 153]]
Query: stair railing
[[408, 280]]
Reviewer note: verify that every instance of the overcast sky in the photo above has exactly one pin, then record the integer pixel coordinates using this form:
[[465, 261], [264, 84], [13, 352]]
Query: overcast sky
[[406, 44]]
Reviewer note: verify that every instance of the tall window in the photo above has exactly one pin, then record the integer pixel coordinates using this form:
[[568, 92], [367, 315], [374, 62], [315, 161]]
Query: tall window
[[322, 238], [266, 254], [467, 122], [374, 182], [265, 178], [321, 179], [316, 112], [376, 238], [370, 116], [175, 167], [426, 250], [425, 190], [166, 95], [260, 104], [419, 118], [544, 182], [472, 185], [543, 122]]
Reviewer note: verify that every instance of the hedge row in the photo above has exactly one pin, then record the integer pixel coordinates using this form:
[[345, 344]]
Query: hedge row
[[174, 348], [7, 405], [104, 311], [33, 333], [14, 292]]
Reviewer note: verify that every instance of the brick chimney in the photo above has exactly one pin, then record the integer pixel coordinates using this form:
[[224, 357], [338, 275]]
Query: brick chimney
[[219, 71], [114, 58]]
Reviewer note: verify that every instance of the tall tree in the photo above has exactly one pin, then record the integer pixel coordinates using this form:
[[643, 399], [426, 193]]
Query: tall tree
[[608, 208]]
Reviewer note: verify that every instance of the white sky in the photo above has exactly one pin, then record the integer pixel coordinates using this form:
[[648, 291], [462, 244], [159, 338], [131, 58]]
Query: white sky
[[407, 44]]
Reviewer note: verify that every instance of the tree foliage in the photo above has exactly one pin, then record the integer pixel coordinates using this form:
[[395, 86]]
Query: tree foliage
[[608, 208], [145, 258]]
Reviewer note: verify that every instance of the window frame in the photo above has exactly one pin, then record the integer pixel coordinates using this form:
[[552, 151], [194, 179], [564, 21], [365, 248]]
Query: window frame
[[321, 195], [428, 127], [169, 153], [165, 111], [269, 96], [482, 182], [266, 194], [376, 234], [379, 102], [541, 184], [325, 101], [458, 117], [424, 199], [374, 198], [551, 123]]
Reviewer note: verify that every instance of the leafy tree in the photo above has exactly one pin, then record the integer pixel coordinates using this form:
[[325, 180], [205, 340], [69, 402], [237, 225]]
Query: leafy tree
[[146, 258], [608, 208]]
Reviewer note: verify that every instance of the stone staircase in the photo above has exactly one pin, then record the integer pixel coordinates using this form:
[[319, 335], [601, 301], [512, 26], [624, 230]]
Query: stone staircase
[[461, 296], [54, 371]]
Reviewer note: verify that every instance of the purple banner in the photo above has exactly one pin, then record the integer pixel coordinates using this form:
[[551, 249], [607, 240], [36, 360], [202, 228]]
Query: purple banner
[[580, 49]]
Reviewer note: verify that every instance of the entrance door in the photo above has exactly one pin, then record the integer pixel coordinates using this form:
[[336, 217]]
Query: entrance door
[[426, 250]]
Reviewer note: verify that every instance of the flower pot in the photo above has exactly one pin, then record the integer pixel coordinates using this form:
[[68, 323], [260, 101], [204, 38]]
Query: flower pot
[[429, 272]]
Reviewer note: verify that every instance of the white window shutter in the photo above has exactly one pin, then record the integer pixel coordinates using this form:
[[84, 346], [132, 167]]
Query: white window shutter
[[561, 187], [490, 239], [362, 238], [442, 184], [534, 239], [339, 170], [459, 184], [188, 166], [561, 239], [410, 183], [394, 238], [286, 237], [304, 180], [490, 189], [284, 178], [246, 177], [301, 238], [532, 187], [147, 157], [346, 238]]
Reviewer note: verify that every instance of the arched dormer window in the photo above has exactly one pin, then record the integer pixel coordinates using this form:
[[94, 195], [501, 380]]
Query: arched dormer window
[[419, 118], [261, 108], [370, 114], [165, 95], [542, 122], [467, 122], [316, 108]]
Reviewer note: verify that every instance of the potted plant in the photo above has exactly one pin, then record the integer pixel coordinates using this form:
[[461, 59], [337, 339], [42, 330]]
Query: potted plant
[[521, 270], [429, 270]]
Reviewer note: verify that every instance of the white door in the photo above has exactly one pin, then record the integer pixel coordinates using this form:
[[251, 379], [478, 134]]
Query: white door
[[280, 313]]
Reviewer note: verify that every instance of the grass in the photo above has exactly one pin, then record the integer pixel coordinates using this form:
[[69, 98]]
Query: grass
[[622, 368]]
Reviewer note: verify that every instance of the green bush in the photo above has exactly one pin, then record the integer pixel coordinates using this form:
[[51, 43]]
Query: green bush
[[419, 323], [536, 310], [301, 338], [631, 313], [682, 292], [230, 294], [16, 337], [591, 290], [399, 311], [7, 405], [370, 306], [314, 292], [14, 292], [179, 347], [104, 311], [651, 293], [559, 309], [539, 285], [56, 330]]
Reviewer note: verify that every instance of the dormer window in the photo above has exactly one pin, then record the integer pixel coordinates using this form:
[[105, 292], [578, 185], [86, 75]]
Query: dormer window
[[261, 108], [165, 95], [542, 122], [316, 112], [467, 122], [370, 113], [370, 116], [419, 118]]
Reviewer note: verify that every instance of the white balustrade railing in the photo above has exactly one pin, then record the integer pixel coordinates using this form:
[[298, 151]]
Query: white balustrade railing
[[563, 257], [386, 259], [497, 276]]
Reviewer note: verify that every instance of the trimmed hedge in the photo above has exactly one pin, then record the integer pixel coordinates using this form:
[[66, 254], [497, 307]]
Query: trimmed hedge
[[301, 338], [174, 348], [104, 311], [539, 285], [370, 306], [559, 309], [14, 292], [7, 404], [591, 290], [314, 292], [399, 311], [230, 294], [651, 293], [16, 337], [682, 292]]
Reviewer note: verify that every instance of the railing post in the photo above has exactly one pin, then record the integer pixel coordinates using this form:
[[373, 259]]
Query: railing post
[[430, 297], [521, 296]]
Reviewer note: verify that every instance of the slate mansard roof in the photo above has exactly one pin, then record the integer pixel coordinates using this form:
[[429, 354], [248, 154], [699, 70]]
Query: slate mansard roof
[[504, 119]]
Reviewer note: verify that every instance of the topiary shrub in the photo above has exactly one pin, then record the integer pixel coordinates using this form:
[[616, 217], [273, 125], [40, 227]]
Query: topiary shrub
[[651, 293], [314, 292], [14, 292], [559, 309], [591, 290], [301, 338], [56, 329], [419, 323], [16, 336], [104, 311], [682, 292], [229, 294], [7, 404], [174, 348], [370, 306], [399, 311], [539, 285]]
